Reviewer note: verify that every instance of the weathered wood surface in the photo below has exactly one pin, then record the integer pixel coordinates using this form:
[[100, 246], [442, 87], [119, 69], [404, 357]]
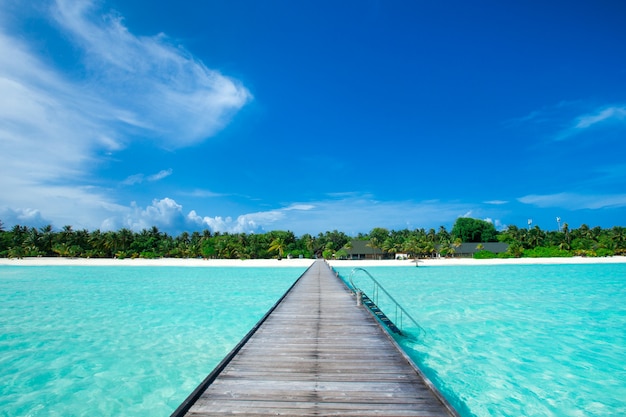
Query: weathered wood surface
[[319, 353]]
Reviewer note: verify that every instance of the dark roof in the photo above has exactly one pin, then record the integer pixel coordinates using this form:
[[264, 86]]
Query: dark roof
[[495, 247], [359, 247]]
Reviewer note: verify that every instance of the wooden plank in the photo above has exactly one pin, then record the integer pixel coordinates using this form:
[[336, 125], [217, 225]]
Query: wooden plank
[[318, 353]]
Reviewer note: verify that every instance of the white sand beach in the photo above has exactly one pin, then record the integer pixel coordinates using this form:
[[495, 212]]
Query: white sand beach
[[43, 261], [470, 261]]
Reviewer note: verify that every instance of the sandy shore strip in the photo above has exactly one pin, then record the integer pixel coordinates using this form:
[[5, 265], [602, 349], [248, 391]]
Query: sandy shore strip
[[302, 263], [576, 260], [52, 261]]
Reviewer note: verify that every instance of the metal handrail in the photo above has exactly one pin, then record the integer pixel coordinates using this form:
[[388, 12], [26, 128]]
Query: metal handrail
[[377, 287]]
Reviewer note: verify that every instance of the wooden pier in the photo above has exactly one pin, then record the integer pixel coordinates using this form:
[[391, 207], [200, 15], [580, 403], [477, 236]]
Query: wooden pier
[[316, 354]]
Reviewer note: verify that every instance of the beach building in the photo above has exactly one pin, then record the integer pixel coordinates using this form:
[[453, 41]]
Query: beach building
[[467, 250], [361, 249]]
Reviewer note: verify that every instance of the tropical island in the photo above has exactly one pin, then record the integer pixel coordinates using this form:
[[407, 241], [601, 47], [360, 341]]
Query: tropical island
[[468, 238]]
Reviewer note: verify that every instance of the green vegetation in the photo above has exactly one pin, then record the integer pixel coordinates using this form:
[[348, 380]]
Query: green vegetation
[[22, 241], [578, 242], [474, 230]]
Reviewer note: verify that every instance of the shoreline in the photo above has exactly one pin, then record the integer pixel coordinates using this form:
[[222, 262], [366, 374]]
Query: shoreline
[[180, 262], [303, 263], [576, 260]]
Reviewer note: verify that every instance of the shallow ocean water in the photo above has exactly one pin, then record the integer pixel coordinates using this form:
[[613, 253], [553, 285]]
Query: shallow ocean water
[[132, 341], [525, 340], [517, 340]]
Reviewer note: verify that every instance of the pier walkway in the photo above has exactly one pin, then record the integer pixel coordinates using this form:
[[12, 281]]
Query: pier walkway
[[316, 354]]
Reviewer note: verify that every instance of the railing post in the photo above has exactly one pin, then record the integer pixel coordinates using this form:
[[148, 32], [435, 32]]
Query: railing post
[[374, 298]]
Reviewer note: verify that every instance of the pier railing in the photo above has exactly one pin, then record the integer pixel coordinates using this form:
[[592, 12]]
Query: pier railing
[[377, 294]]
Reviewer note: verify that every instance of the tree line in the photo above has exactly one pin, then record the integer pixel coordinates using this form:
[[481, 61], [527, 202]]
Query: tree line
[[23, 241]]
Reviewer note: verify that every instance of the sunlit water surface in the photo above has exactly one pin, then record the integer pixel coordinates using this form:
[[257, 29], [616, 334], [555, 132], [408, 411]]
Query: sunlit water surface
[[122, 341], [135, 341], [526, 340]]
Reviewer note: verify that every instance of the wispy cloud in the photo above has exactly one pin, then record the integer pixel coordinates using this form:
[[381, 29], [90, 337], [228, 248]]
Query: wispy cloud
[[200, 193], [133, 179], [173, 96], [574, 201], [160, 175], [603, 115], [350, 215], [568, 119], [165, 213], [139, 178], [55, 125], [614, 116], [248, 223]]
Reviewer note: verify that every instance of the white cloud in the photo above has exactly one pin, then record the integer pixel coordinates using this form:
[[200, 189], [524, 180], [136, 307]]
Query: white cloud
[[303, 207], [497, 223], [568, 119], [605, 116], [354, 214], [245, 223], [133, 179], [30, 217], [54, 127], [573, 201], [351, 216], [165, 213], [157, 86], [59, 205], [160, 175], [199, 193], [139, 178], [45, 134]]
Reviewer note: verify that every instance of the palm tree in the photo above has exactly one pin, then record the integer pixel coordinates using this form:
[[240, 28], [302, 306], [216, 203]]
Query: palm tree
[[429, 248], [124, 239], [18, 233], [110, 243], [443, 235], [309, 243], [566, 232], [278, 244], [454, 246], [432, 235], [66, 235], [515, 249], [618, 235], [32, 242], [535, 237], [374, 244], [62, 249], [97, 244], [47, 238], [412, 247]]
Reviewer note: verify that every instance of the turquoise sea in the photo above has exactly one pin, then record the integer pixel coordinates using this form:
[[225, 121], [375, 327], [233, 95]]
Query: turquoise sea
[[518, 340], [523, 340], [122, 341]]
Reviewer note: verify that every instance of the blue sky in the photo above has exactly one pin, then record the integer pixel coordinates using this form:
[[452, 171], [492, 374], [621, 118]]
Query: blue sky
[[246, 116]]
